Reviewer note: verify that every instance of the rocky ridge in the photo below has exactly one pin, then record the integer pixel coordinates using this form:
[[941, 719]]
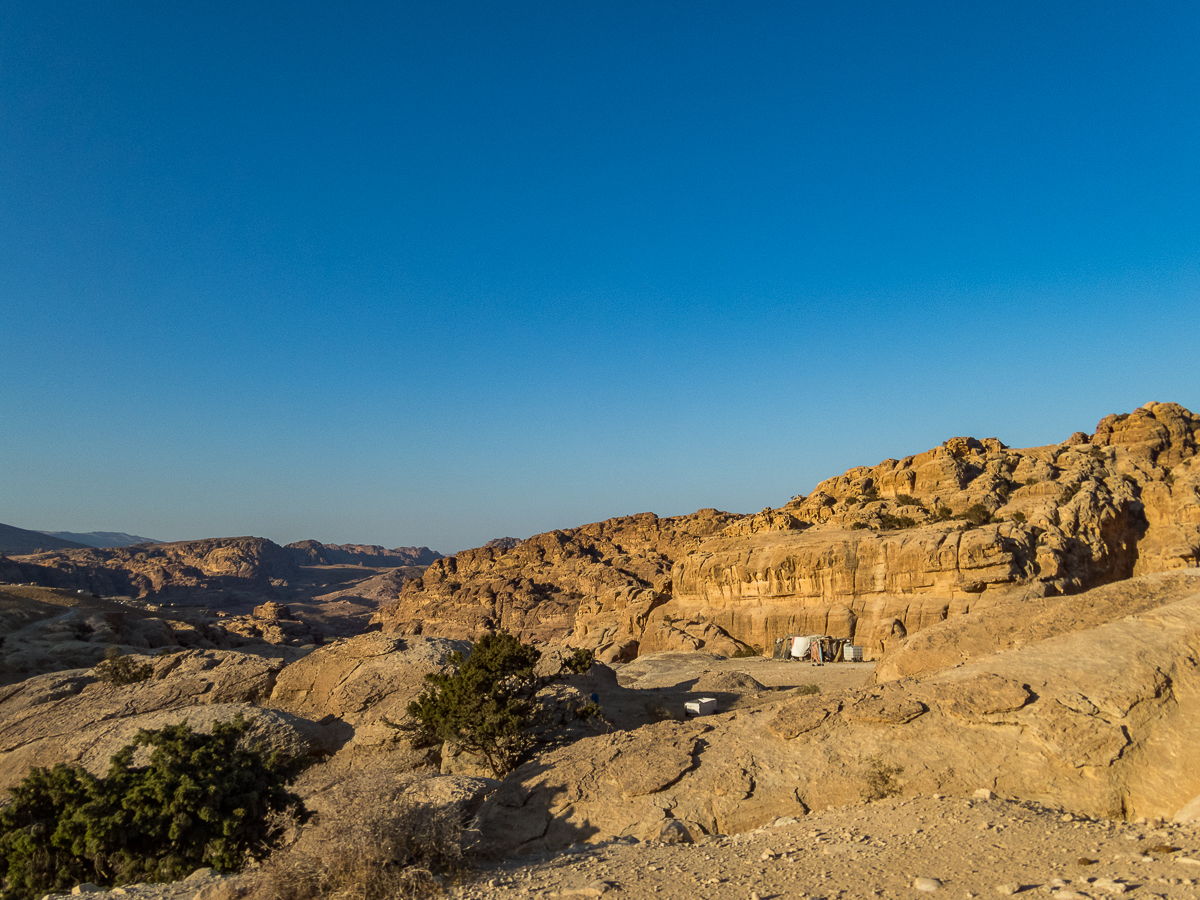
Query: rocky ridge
[[314, 553], [872, 555], [175, 572]]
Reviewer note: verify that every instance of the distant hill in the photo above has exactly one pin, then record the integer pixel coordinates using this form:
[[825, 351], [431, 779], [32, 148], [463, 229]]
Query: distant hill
[[314, 553], [19, 540], [102, 538]]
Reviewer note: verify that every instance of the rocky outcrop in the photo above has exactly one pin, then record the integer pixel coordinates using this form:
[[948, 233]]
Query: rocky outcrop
[[51, 630], [534, 589], [1100, 721], [364, 682], [166, 572], [273, 623], [873, 555], [885, 551], [73, 717], [314, 553]]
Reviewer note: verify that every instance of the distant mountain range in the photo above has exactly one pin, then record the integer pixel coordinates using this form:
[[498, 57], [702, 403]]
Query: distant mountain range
[[102, 538], [19, 540]]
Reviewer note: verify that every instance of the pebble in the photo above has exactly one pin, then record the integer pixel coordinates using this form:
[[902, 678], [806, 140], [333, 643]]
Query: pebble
[[1007, 889], [927, 884]]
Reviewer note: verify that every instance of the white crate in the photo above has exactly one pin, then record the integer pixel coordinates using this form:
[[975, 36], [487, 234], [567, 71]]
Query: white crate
[[850, 653], [702, 707]]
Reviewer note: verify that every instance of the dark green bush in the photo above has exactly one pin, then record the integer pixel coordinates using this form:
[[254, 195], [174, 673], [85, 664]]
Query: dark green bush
[[977, 514], [1068, 493], [203, 800], [119, 669], [1018, 517], [943, 514], [579, 662], [908, 500], [484, 707], [1030, 482], [893, 522]]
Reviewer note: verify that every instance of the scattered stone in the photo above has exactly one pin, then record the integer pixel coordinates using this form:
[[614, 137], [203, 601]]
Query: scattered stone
[[86, 888], [1007, 890], [927, 884], [984, 794]]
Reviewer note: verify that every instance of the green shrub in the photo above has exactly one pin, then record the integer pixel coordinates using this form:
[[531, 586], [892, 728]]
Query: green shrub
[[119, 669], [579, 662], [879, 780], [893, 522], [1019, 517], [806, 690], [202, 800], [871, 494], [1030, 482], [977, 514], [908, 500], [943, 514], [1068, 493], [859, 526], [485, 705]]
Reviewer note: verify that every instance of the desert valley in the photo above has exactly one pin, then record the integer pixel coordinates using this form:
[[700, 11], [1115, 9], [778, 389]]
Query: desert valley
[[1026, 715]]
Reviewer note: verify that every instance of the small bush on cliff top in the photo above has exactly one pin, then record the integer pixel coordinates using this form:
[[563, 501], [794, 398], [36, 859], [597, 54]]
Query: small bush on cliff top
[[119, 669], [202, 801]]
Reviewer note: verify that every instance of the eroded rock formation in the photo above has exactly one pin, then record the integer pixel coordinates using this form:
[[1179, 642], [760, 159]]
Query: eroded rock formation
[[874, 555]]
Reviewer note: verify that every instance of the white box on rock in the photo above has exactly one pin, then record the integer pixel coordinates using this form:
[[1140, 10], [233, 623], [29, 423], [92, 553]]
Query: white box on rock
[[702, 707]]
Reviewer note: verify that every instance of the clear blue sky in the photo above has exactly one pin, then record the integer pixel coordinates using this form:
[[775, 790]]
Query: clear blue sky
[[431, 273]]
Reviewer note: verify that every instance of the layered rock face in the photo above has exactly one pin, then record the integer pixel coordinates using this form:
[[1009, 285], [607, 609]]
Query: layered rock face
[[314, 553], [535, 589], [872, 555]]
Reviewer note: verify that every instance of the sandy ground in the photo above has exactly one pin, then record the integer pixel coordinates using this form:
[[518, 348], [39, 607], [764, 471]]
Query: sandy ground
[[671, 669], [960, 848]]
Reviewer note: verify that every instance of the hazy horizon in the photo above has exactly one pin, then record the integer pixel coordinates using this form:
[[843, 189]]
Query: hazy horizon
[[419, 275]]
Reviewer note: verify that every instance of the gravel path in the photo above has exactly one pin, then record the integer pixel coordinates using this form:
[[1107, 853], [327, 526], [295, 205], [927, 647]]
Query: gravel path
[[949, 847]]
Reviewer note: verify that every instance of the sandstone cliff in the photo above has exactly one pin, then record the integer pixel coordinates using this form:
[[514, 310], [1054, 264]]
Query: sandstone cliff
[[535, 588], [873, 555]]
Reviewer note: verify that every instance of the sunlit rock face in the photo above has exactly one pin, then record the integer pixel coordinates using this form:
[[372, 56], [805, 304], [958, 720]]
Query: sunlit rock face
[[874, 555]]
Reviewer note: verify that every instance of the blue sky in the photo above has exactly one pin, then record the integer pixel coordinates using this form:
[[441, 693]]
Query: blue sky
[[406, 273]]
